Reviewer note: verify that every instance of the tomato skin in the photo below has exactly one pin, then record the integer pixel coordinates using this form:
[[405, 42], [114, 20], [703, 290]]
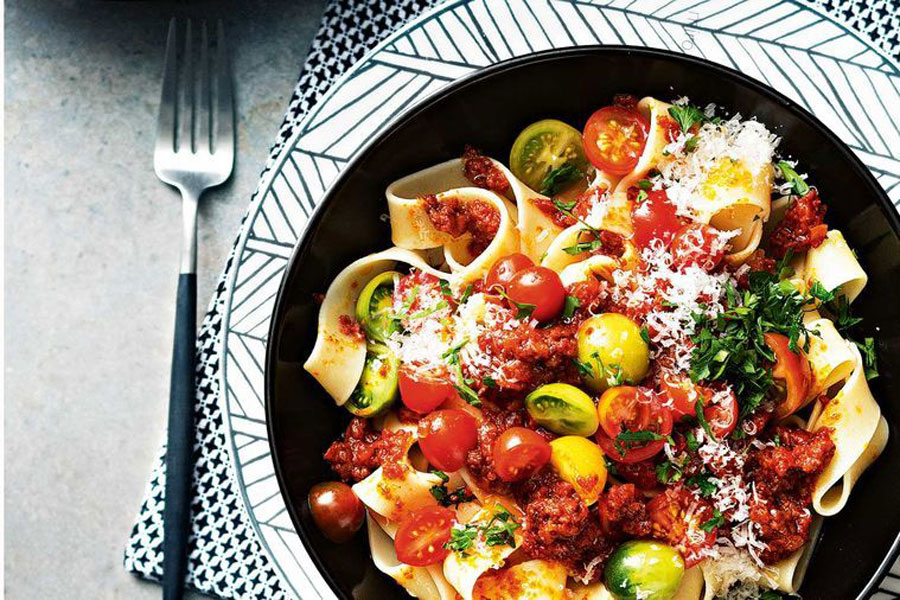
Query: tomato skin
[[519, 453], [722, 417], [541, 287], [669, 514], [697, 244], [503, 270], [627, 408], [336, 510], [793, 369], [423, 394], [681, 395], [654, 218], [445, 436], [422, 534], [614, 138]]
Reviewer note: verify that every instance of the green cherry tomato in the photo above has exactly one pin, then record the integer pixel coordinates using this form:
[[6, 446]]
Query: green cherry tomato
[[563, 409], [377, 387], [375, 305], [645, 570], [546, 146], [611, 351]]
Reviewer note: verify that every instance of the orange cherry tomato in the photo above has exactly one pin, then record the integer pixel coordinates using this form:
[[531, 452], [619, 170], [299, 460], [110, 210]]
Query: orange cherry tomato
[[723, 416], [446, 436], [614, 138], [423, 394], [627, 409], [422, 534], [519, 453], [504, 269], [697, 244], [676, 517], [792, 369], [336, 510], [540, 287], [654, 218]]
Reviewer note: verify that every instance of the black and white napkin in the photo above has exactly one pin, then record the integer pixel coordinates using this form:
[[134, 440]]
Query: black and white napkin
[[226, 558]]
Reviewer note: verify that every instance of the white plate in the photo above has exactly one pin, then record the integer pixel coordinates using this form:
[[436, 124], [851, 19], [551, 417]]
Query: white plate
[[817, 62]]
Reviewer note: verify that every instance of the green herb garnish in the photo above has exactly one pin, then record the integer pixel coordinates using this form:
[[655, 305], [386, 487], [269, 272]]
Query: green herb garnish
[[557, 178], [799, 186], [716, 521], [569, 307]]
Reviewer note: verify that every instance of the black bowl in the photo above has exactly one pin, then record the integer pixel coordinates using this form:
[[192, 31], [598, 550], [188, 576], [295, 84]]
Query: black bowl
[[487, 110]]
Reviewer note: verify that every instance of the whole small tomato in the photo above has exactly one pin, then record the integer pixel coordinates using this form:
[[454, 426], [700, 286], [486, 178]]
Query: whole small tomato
[[538, 287], [336, 510]]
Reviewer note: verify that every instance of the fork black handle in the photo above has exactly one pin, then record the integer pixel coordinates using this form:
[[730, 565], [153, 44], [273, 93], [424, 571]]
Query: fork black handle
[[179, 466]]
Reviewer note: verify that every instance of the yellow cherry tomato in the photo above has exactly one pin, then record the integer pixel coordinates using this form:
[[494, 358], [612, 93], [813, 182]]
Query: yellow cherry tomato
[[611, 351], [580, 462]]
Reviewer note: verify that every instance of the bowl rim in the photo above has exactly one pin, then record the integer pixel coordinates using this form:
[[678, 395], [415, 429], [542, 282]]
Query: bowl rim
[[411, 113]]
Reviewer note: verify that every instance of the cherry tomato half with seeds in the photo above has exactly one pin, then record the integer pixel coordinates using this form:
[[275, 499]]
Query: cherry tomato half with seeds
[[446, 436], [654, 218], [676, 517], [503, 270], [791, 372], [519, 453], [722, 417], [614, 138], [680, 395], [627, 410], [422, 534], [423, 394], [336, 510], [541, 288]]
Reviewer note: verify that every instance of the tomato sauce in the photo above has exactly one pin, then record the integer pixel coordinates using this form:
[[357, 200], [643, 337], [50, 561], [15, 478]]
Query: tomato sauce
[[784, 476], [351, 328], [475, 217], [803, 226], [481, 171]]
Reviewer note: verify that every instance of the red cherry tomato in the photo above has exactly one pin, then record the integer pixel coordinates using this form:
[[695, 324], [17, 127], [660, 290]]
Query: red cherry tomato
[[697, 244], [541, 288], [654, 218], [676, 517], [519, 453], [723, 416], [445, 436], [614, 138], [504, 269], [423, 394], [791, 372], [336, 510], [422, 534], [680, 395], [624, 409]]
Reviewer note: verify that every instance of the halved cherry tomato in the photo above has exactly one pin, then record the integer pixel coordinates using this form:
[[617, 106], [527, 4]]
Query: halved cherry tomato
[[422, 534], [540, 287], [423, 394], [614, 138], [698, 244], [336, 510], [676, 517], [445, 436], [723, 416], [792, 368], [630, 409], [519, 453], [654, 218], [504, 269], [680, 394]]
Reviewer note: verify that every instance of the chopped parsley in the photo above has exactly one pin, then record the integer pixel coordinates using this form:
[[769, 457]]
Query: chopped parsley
[[626, 438], [701, 418], [566, 209], [569, 307], [523, 309], [799, 186], [669, 472], [489, 382], [717, 520], [687, 116], [589, 246], [462, 385], [644, 184], [702, 482], [462, 538], [444, 496], [691, 441], [467, 293], [645, 334], [870, 363], [499, 531], [557, 178], [429, 311]]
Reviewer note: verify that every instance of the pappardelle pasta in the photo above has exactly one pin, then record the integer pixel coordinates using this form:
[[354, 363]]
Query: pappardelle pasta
[[616, 367]]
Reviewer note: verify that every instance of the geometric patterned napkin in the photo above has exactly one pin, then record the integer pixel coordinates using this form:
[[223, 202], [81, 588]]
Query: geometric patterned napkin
[[226, 558]]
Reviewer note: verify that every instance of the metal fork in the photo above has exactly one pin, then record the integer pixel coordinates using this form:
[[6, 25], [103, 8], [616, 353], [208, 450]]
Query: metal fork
[[194, 151]]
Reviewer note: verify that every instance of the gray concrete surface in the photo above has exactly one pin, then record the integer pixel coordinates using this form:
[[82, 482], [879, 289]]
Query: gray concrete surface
[[92, 250]]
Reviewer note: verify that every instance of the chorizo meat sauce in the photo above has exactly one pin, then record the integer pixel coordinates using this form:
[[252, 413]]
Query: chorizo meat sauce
[[678, 496]]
